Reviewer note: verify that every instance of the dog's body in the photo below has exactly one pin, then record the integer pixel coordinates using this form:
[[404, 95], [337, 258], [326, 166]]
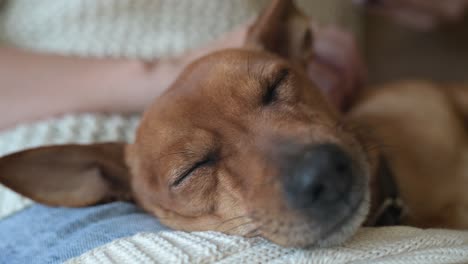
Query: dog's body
[[422, 130], [245, 143]]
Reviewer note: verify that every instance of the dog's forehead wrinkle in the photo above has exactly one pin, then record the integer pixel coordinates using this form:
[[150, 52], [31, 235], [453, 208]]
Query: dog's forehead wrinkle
[[238, 80], [252, 64]]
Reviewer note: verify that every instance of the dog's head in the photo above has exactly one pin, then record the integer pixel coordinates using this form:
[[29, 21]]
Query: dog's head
[[243, 143]]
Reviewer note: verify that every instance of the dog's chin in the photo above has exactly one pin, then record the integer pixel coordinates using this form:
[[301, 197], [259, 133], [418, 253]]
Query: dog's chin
[[347, 226], [326, 233]]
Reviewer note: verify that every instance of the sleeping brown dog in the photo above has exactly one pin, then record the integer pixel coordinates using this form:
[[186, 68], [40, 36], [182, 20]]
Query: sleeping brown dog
[[244, 143]]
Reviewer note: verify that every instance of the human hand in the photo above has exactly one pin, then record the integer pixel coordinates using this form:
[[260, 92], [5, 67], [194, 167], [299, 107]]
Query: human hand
[[337, 66]]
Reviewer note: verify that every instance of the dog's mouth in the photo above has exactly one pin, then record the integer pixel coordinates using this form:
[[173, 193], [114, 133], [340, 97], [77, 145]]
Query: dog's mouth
[[299, 228], [326, 198], [344, 227]]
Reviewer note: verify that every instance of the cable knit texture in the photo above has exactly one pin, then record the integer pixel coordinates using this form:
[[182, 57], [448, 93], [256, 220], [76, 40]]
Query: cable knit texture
[[120, 28], [391, 245], [139, 29], [83, 129], [147, 29]]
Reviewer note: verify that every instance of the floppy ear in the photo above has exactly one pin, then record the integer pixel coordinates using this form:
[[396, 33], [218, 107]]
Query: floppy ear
[[284, 30], [69, 175]]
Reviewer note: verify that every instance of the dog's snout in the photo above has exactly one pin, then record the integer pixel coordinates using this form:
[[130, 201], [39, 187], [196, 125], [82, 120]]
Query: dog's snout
[[318, 177]]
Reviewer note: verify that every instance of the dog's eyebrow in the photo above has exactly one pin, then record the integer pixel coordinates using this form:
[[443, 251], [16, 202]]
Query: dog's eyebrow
[[183, 152], [248, 66], [271, 87], [262, 69], [280, 76]]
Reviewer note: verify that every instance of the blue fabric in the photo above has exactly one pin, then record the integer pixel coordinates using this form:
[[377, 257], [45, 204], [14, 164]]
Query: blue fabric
[[42, 234]]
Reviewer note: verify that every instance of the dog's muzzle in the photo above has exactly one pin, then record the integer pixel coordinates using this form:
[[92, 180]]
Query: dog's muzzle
[[318, 180]]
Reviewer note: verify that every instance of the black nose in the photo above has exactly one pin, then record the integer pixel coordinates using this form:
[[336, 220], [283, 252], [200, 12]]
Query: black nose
[[318, 177]]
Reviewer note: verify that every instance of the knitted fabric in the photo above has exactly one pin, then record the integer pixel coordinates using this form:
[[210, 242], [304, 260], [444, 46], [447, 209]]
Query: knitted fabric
[[86, 128], [120, 28], [139, 29], [147, 29], [390, 245]]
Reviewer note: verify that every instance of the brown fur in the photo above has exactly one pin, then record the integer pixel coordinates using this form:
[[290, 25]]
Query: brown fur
[[215, 114], [422, 129]]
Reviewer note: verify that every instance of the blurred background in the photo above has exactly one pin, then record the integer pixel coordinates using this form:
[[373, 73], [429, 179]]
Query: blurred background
[[394, 51]]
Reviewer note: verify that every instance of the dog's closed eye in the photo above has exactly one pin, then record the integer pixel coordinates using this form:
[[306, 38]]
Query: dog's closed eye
[[203, 163], [271, 93]]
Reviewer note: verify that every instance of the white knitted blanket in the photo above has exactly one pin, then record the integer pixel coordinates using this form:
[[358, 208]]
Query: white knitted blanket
[[86, 128], [392, 245], [142, 29], [151, 28], [139, 29]]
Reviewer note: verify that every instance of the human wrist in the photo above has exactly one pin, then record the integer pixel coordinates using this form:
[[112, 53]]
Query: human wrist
[[147, 80], [139, 82]]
